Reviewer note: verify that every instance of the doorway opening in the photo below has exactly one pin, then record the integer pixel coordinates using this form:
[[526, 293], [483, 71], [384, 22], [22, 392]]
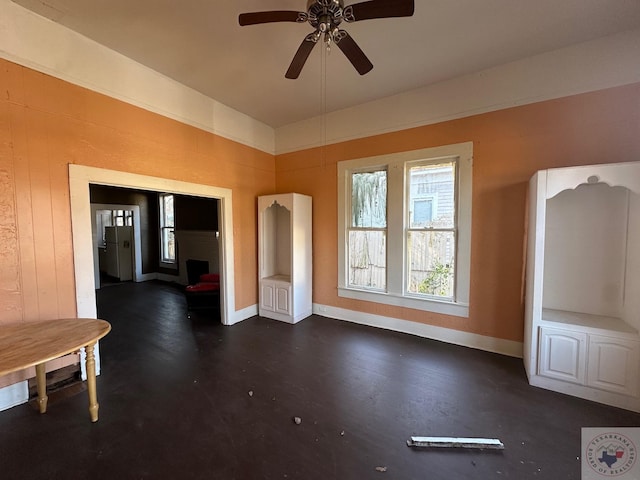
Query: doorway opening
[[80, 179], [115, 231]]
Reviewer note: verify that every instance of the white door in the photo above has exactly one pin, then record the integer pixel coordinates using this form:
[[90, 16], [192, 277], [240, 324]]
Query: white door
[[125, 245]]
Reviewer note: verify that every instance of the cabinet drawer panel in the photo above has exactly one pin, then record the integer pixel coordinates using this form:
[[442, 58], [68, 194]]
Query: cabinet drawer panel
[[266, 296], [613, 364], [283, 300], [562, 355]]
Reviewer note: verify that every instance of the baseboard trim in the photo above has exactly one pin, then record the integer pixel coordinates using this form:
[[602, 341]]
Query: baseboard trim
[[589, 393], [447, 335], [145, 277], [14, 395], [166, 277], [240, 315]]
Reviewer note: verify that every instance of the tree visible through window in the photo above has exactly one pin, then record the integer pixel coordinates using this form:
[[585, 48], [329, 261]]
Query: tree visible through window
[[167, 229], [368, 230], [404, 228]]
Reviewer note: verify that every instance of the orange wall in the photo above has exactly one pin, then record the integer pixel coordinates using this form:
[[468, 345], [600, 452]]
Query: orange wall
[[46, 124], [509, 146]]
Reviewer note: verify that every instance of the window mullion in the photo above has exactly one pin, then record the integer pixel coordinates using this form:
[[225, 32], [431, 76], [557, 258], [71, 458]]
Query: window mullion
[[395, 229]]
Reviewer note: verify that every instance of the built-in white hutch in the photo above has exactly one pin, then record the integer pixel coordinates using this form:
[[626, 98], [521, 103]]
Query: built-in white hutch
[[284, 256], [582, 314]]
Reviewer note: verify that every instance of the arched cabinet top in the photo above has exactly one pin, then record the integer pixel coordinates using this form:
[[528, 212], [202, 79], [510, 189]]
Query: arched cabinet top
[[286, 200], [614, 174], [281, 202]]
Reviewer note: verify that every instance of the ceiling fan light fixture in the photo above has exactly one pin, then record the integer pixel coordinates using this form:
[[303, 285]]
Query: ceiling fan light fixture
[[325, 16]]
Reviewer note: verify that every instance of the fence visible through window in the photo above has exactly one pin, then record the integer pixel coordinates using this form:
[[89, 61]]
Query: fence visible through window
[[368, 230], [431, 232]]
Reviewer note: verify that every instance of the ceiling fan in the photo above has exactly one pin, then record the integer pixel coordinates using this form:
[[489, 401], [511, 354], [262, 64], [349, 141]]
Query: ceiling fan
[[326, 16]]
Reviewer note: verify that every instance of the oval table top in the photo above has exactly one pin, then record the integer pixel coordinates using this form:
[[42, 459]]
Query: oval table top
[[26, 344]]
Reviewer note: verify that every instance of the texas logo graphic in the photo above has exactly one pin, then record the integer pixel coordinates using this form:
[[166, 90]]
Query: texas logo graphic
[[611, 454]]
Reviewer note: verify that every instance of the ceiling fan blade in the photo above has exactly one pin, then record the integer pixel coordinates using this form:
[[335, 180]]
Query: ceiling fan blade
[[353, 52], [299, 59], [378, 9], [254, 18]]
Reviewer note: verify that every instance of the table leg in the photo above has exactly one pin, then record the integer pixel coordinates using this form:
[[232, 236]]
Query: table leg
[[41, 380], [91, 381]]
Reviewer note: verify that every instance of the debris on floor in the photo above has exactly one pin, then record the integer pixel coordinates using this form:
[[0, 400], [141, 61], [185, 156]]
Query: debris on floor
[[456, 442], [251, 393], [297, 420], [381, 469]]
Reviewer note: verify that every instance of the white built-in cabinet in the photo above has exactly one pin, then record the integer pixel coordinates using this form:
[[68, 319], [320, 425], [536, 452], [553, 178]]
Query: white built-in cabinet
[[582, 312], [284, 256]]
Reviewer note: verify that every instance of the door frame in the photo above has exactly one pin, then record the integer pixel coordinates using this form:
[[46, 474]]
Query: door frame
[[80, 177]]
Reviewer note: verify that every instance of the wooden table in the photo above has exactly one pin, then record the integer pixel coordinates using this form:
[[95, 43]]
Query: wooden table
[[28, 344]]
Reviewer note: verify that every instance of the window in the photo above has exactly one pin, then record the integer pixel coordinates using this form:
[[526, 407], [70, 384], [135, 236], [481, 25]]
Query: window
[[109, 218], [167, 232], [122, 218], [431, 230], [405, 229], [368, 230]]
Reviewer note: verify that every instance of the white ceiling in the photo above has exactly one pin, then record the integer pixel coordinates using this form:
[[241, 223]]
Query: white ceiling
[[200, 44]]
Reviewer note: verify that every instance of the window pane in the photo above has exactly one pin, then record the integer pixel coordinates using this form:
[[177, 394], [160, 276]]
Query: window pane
[[167, 211], [369, 199], [432, 196], [422, 211], [368, 259], [431, 263], [168, 245]]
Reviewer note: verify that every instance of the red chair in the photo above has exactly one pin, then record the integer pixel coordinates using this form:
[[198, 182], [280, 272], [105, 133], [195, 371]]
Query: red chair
[[204, 295]]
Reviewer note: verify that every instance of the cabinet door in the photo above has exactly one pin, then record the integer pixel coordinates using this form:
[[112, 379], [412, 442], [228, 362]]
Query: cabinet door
[[562, 355], [267, 295], [283, 299], [613, 364]]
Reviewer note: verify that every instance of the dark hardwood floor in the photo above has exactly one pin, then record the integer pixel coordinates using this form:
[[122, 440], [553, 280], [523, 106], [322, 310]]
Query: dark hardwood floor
[[189, 398]]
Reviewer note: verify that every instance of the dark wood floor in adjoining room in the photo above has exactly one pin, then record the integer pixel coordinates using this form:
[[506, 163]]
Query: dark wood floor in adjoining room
[[189, 398]]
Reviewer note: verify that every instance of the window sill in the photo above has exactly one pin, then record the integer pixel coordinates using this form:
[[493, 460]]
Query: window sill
[[428, 305]]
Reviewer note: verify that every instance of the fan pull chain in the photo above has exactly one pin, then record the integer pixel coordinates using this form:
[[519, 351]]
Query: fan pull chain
[[323, 99]]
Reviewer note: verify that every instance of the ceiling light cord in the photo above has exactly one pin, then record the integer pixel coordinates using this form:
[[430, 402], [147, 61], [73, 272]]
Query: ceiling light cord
[[323, 101]]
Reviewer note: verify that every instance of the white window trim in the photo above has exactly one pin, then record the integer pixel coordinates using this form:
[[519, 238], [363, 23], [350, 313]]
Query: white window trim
[[407, 226], [396, 294]]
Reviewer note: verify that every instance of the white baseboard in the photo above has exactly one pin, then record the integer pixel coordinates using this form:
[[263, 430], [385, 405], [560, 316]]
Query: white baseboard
[[13, 395], [447, 335], [240, 315], [594, 394], [165, 277], [145, 277]]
